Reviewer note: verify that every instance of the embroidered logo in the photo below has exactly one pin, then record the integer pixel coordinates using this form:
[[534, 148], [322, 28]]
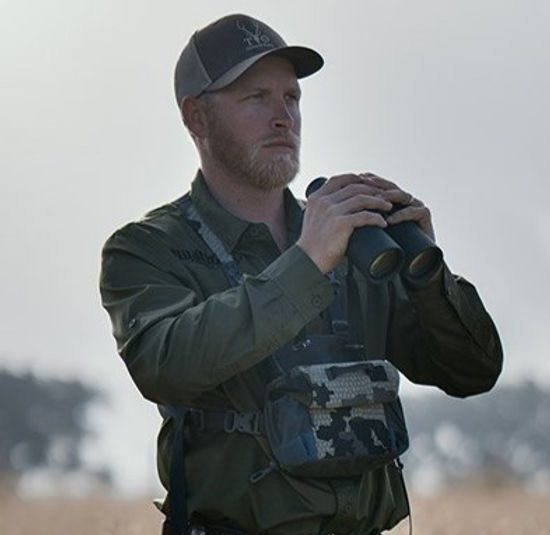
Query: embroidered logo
[[197, 256], [254, 38]]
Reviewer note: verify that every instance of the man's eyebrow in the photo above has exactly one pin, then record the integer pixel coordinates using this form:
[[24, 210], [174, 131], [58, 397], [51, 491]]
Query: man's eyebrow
[[259, 86], [263, 90]]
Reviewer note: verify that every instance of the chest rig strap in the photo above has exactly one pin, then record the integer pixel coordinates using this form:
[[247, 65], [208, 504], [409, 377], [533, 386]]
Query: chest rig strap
[[231, 420], [212, 241], [337, 309], [338, 306]]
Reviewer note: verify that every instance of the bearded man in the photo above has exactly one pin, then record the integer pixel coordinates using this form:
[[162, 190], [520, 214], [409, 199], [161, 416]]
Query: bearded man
[[227, 291]]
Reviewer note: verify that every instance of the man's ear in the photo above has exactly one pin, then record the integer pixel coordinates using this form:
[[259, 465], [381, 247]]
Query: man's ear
[[193, 113]]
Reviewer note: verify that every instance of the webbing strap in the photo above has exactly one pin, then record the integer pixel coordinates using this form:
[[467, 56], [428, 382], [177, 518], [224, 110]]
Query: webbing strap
[[399, 466], [337, 307], [242, 422], [177, 497], [212, 241], [355, 316], [234, 276]]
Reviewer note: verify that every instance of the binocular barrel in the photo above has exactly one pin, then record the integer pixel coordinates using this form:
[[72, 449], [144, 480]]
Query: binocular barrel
[[380, 254]]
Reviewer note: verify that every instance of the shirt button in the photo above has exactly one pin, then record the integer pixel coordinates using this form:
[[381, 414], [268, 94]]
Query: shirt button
[[348, 508], [316, 301], [254, 232]]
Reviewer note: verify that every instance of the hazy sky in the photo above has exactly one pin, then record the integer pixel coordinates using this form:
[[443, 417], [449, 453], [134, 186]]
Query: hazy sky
[[450, 99]]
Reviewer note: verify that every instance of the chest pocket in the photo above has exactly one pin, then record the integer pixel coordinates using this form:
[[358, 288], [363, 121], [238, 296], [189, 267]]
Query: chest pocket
[[335, 419]]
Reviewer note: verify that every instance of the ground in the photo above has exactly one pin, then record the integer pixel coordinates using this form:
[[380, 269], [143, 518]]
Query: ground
[[499, 511]]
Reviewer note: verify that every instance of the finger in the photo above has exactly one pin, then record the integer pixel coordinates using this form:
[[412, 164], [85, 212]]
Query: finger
[[379, 181], [341, 181], [359, 190], [366, 218], [418, 214], [409, 213], [338, 182], [324, 208], [358, 203], [400, 197]]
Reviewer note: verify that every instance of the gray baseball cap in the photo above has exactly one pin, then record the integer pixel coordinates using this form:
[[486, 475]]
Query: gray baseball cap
[[219, 53]]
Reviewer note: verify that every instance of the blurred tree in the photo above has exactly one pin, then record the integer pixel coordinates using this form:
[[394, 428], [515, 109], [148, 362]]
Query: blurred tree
[[499, 437], [41, 422]]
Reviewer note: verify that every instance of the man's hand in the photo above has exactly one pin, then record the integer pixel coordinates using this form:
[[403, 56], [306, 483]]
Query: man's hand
[[342, 204], [346, 202], [408, 207]]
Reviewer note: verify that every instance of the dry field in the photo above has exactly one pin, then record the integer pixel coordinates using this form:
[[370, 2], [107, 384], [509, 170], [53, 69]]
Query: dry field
[[459, 512]]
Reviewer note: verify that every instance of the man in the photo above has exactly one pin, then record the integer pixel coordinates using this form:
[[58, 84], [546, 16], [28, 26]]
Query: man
[[204, 291]]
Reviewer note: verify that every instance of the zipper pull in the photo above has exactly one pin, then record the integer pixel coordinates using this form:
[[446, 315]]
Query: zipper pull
[[260, 474]]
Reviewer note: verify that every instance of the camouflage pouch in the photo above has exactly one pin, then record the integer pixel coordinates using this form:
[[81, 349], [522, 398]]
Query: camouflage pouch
[[337, 419]]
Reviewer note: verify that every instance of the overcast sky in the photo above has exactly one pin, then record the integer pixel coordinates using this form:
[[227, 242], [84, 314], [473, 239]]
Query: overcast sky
[[449, 99]]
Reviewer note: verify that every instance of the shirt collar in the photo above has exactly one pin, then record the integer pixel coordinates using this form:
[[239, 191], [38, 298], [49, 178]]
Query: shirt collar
[[228, 227]]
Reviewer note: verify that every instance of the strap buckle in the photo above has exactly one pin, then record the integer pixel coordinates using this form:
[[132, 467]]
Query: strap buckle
[[340, 327], [196, 419], [243, 422]]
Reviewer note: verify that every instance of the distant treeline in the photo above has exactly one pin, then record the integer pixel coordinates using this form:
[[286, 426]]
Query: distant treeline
[[42, 423], [499, 437]]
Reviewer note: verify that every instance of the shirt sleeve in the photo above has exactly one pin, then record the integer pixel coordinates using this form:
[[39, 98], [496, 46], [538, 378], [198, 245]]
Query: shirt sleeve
[[441, 335], [175, 343]]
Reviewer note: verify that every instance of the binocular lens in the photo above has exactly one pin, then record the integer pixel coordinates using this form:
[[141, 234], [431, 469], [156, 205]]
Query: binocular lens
[[424, 263], [422, 256], [385, 264]]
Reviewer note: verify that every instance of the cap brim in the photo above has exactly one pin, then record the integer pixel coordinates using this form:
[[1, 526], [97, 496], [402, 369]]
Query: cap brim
[[304, 60]]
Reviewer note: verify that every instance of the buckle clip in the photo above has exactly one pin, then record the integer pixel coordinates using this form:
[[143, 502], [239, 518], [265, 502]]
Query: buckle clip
[[339, 327], [243, 422], [196, 417]]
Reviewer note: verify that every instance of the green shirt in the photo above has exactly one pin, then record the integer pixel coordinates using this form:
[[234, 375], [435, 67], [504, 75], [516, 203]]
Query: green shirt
[[187, 338]]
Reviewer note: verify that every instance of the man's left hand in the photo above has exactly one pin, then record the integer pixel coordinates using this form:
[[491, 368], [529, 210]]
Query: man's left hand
[[413, 209]]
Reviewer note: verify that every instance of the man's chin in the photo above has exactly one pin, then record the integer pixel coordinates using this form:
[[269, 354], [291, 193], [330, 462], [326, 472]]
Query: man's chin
[[274, 173], [278, 176]]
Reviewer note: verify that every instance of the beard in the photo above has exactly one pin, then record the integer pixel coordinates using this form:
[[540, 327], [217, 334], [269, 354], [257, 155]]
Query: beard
[[245, 161]]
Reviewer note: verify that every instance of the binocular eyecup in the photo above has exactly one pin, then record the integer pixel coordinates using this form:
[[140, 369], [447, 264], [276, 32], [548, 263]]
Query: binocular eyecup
[[380, 254]]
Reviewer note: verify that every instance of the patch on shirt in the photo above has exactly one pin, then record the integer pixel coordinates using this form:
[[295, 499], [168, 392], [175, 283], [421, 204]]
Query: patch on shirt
[[199, 257]]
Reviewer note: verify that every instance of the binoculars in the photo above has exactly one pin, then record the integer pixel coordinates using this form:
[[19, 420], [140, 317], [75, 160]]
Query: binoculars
[[382, 253]]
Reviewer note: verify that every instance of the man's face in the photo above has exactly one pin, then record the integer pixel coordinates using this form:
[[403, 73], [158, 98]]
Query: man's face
[[254, 125]]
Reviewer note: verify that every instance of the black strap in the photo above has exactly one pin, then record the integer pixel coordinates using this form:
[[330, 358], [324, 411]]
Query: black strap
[[399, 466], [355, 316], [230, 420], [177, 496], [337, 307]]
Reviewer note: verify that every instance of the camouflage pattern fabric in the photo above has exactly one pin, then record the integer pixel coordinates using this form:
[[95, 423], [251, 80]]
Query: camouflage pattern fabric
[[336, 419], [351, 384]]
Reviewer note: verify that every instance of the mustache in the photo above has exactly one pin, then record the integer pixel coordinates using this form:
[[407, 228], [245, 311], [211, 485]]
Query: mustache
[[291, 140]]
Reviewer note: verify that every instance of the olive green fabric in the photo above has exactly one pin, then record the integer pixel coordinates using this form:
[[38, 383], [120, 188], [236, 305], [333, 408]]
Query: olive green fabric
[[187, 338]]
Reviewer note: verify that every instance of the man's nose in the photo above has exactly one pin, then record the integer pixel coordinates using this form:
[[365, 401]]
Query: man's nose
[[283, 116]]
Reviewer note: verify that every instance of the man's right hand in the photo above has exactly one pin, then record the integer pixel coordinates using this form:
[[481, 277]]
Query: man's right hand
[[334, 211]]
